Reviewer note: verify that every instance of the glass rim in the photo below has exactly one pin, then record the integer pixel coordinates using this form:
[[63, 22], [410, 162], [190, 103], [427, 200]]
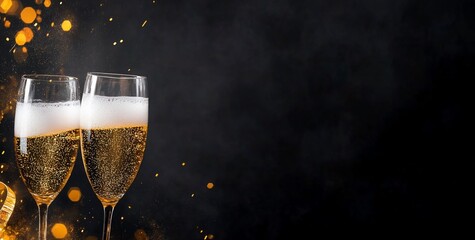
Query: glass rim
[[116, 76], [49, 77]]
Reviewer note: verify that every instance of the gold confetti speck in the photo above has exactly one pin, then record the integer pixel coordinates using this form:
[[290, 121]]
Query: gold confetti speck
[[144, 22], [183, 164], [52, 24], [3, 152], [210, 185], [114, 43], [121, 40], [8, 39], [121, 218], [110, 19], [192, 195], [156, 174]]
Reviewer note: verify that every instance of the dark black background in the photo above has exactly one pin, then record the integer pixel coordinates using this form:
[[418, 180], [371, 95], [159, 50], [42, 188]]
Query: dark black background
[[310, 117]]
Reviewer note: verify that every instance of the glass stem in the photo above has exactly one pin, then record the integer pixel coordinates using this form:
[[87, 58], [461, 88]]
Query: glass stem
[[108, 211], [43, 221]]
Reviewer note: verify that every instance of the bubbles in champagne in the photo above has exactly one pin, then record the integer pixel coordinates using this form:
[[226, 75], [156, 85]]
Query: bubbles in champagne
[[36, 119]]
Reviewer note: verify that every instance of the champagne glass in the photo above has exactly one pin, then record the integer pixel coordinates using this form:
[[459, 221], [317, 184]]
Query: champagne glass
[[46, 137], [114, 121]]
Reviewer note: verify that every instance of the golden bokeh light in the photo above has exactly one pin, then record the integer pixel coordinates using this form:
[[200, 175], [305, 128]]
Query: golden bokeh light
[[38, 11], [74, 194], [38, 2], [66, 25], [5, 5], [24, 49], [28, 15], [20, 38], [28, 33], [7, 24], [18, 55], [59, 231], [210, 185], [47, 3], [39, 19], [140, 234]]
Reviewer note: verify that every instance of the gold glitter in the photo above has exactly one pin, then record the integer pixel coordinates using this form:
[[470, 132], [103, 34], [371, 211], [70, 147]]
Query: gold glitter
[[8, 39], [114, 43], [110, 19], [66, 25], [192, 195], [121, 40], [7, 24], [28, 15], [156, 174], [144, 22], [52, 24], [3, 152], [183, 164], [59, 231], [121, 218], [210, 185]]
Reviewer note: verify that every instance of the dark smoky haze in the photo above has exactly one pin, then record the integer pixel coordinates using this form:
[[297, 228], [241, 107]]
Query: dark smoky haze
[[268, 119]]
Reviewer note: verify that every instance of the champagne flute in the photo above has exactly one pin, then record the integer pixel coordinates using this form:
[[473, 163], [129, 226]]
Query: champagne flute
[[114, 122], [46, 137]]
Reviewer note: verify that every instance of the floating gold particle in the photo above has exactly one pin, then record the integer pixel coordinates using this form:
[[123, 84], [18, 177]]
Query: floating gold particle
[[39, 19], [110, 19], [5, 5], [28, 15], [210, 185], [192, 195], [74, 194], [52, 24], [121, 40], [8, 39], [66, 25], [209, 236], [28, 33], [20, 38], [38, 11], [7, 24], [24, 49], [114, 43], [47, 3], [143, 24], [59, 231], [38, 2], [183, 164], [156, 174]]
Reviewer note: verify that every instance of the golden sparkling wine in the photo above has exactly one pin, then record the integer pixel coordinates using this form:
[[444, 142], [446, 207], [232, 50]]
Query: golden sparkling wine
[[112, 157], [45, 162]]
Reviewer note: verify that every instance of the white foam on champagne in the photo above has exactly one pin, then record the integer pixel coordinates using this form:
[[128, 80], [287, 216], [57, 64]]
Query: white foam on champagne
[[111, 112], [35, 119]]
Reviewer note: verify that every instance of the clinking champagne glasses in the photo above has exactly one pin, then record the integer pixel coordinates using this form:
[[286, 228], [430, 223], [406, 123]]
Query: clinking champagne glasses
[[46, 136], [113, 123]]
